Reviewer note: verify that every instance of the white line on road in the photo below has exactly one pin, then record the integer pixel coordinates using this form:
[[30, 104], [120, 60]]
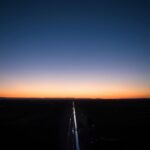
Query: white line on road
[[75, 126]]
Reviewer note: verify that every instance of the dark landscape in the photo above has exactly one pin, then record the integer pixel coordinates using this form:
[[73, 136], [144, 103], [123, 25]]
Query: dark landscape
[[102, 124]]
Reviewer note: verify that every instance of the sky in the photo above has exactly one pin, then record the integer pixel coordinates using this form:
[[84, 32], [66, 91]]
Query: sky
[[71, 48]]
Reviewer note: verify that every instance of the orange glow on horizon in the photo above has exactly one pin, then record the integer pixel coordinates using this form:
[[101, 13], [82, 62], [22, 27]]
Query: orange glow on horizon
[[74, 91], [73, 87]]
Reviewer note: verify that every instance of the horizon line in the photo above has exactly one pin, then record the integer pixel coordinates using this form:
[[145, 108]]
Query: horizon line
[[75, 98]]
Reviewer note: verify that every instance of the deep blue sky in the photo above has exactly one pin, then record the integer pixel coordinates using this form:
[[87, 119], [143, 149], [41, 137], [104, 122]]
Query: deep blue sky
[[76, 42]]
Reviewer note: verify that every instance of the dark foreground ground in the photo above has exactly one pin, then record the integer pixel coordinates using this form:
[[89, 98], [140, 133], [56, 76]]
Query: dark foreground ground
[[102, 125]]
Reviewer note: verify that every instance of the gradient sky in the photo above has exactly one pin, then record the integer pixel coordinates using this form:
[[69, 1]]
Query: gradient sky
[[86, 48]]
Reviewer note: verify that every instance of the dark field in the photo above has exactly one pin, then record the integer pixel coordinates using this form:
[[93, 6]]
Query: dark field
[[102, 125]]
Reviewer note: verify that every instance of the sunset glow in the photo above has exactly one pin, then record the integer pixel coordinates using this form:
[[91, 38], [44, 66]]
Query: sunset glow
[[73, 89]]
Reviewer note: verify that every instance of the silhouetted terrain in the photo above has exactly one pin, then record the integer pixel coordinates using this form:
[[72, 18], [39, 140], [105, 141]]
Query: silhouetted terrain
[[102, 125], [115, 124], [33, 123]]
